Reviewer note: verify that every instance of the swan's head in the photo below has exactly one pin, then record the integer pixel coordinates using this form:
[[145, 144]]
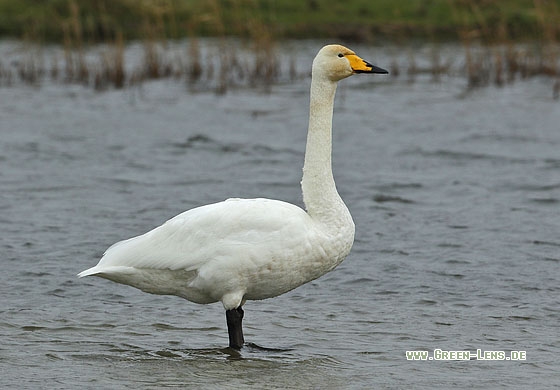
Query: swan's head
[[336, 62]]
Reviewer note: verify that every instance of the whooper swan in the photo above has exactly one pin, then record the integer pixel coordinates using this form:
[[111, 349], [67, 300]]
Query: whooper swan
[[249, 249]]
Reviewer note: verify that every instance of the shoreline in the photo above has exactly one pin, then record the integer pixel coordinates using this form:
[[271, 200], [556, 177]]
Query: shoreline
[[73, 23]]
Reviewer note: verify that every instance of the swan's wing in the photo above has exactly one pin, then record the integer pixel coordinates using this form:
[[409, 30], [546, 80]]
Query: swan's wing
[[236, 228]]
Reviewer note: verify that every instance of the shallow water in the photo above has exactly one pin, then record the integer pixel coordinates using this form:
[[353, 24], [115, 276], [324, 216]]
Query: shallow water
[[456, 199]]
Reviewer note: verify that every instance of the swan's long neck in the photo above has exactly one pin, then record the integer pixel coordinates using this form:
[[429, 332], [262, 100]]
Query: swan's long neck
[[322, 201]]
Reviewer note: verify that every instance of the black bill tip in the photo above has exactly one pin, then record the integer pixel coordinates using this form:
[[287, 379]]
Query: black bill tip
[[376, 69]]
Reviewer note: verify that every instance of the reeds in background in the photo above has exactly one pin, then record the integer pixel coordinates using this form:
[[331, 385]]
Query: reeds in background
[[501, 44], [493, 53]]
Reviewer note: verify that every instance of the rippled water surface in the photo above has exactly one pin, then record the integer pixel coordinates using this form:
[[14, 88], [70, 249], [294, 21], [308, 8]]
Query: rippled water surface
[[456, 199]]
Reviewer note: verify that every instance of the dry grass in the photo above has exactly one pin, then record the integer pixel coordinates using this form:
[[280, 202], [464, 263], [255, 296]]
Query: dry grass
[[491, 56]]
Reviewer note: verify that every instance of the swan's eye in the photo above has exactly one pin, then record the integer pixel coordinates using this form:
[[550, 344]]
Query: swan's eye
[[340, 55]]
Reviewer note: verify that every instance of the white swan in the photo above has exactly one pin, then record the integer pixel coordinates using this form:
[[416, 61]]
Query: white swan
[[249, 249]]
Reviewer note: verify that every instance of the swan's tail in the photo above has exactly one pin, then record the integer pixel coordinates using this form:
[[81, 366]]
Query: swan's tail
[[97, 270]]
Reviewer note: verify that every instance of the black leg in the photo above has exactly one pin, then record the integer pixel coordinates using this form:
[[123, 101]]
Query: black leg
[[234, 318]]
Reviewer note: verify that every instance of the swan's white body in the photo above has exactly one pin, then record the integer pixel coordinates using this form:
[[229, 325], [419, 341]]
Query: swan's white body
[[249, 249], [232, 251]]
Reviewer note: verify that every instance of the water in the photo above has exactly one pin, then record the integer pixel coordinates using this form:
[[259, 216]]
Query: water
[[456, 201]]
